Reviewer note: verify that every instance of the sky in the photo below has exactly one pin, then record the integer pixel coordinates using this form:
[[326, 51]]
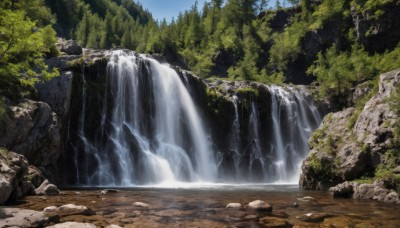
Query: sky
[[168, 9]]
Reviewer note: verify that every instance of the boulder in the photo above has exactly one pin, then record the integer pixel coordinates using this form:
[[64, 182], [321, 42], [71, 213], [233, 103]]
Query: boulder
[[69, 47], [33, 130], [344, 190], [140, 204], [69, 209], [15, 217], [13, 169], [313, 217], [234, 205], [73, 225], [260, 205], [365, 192], [46, 188], [106, 191]]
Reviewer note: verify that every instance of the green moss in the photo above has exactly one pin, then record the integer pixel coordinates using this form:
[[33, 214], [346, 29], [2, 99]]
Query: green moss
[[248, 90], [325, 170], [364, 180]]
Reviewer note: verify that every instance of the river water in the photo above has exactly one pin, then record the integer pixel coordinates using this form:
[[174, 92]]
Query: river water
[[204, 206]]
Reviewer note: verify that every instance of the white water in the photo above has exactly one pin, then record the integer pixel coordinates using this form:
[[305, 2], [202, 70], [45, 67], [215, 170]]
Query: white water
[[293, 118], [148, 145], [151, 133]]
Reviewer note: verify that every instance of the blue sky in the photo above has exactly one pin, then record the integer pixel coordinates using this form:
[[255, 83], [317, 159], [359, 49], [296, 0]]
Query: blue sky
[[170, 8]]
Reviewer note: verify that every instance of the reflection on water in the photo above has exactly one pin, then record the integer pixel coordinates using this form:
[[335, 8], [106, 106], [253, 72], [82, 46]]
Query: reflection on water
[[204, 206]]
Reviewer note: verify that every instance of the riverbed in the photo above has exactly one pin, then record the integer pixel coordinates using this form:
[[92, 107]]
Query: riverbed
[[205, 206]]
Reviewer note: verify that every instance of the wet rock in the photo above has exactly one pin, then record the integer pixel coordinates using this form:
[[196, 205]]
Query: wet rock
[[344, 190], [241, 216], [46, 188], [260, 205], [279, 214], [15, 217], [307, 198], [234, 205], [275, 222], [70, 209], [73, 225], [106, 191], [313, 217], [141, 204]]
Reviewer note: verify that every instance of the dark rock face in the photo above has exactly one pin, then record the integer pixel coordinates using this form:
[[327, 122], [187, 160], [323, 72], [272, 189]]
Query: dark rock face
[[57, 93], [33, 130], [348, 146], [381, 33]]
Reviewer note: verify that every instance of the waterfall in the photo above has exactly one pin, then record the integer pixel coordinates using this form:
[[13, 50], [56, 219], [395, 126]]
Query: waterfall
[[292, 119], [141, 126], [153, 132]]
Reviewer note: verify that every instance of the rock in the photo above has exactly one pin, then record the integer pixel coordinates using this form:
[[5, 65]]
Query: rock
[[106, 191], [140, 204], [70, 47], [344, 190], [313, 217], [69, 209], [234, 205], [51, 209], [46, 188], [347, 146], [33, 130], [361, 91], [64, 62], [378, 34], [307, 198], [57, 93], [73, 225], [36, 176], [15, 217], [275, 222], [396, 170], [13, 169], [375, 192], [279, 214], [113, 226], [260, 205], [241, 216]]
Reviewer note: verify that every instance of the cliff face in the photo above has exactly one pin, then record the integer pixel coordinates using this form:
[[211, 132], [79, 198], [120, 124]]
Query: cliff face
[[357, 144]]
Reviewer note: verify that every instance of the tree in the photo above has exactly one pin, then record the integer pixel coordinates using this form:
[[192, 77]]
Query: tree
[[22, 46]]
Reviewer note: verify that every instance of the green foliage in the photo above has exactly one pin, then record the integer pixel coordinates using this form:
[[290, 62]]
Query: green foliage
[[22, 46], [287, 45], [325, 170]]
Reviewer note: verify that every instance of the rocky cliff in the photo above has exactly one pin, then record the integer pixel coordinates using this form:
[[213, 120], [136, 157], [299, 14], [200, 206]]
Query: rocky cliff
[[358, 145]]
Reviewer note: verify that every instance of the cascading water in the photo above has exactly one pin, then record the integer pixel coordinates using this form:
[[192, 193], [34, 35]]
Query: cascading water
[[154, 131], [275, 151], [143, 127]]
